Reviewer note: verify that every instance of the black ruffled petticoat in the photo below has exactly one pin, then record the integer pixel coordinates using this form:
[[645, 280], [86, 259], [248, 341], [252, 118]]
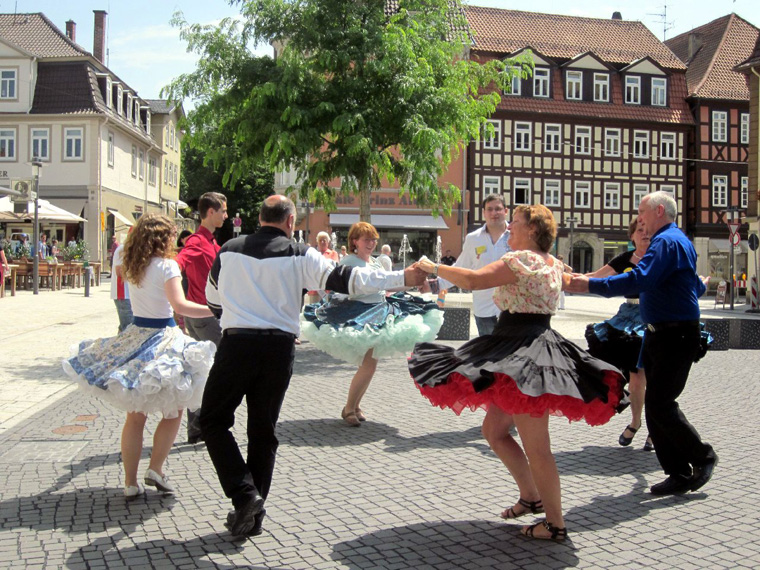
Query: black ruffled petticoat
[[524, 367]]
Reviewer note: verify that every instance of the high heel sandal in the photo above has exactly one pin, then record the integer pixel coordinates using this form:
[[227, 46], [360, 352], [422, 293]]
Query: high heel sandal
[[350, 418], [558, 534], [360, 415], [624, 441], [534, 507]]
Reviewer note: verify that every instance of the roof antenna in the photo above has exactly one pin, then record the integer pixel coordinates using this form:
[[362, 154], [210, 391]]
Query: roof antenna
[[666, 25]]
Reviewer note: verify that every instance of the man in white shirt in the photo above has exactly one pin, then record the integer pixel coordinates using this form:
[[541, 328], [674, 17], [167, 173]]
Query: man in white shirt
[[481, 247], [385, 257], [255, 287]]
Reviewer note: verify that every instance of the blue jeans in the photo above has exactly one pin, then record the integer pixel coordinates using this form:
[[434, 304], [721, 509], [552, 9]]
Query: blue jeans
[[124, 310], [485, 325]]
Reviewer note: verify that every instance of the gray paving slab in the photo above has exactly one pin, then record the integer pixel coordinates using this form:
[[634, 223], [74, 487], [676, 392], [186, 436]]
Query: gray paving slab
[[415, 487]]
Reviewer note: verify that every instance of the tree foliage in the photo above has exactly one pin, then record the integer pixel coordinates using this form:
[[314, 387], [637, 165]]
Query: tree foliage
[[244, 198], [356, 95]]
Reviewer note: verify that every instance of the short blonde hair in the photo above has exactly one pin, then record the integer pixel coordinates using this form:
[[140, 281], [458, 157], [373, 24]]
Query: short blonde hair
[[360, 230], [321, 235], [541, 220]]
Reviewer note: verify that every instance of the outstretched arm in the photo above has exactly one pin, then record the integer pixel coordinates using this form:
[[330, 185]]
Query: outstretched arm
[[492, 275]]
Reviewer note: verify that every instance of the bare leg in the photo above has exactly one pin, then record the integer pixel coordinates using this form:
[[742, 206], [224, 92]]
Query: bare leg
[[496, 431], [131, 446], [534, 433], [637, 386], [360, 381], [163, 439]]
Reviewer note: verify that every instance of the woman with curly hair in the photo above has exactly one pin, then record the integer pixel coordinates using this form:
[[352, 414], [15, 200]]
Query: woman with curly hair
[[152, 366], [361, 329]]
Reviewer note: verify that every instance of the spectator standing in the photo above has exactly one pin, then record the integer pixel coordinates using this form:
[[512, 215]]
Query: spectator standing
[[448, 259], [481, 247], [385, 258], [195, 261]]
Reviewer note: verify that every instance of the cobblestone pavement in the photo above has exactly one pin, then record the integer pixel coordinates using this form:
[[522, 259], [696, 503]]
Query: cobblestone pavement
[[415, 487]]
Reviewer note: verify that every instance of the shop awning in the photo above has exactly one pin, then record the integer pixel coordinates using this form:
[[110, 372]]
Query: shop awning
[[121, 217], [385, 221], [724, 245]]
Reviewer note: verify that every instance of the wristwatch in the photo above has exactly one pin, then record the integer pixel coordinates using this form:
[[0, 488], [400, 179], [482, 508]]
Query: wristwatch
[[435, 270]]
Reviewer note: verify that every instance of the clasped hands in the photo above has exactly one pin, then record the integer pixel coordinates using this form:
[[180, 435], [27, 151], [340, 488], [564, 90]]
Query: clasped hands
[[415, 275]]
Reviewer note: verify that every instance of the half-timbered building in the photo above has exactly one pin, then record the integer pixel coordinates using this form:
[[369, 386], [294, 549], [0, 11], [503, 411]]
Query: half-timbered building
[[601, 122], [717, 173]]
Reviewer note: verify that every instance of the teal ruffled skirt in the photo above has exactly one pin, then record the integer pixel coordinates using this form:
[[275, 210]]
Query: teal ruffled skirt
[[346, 329]]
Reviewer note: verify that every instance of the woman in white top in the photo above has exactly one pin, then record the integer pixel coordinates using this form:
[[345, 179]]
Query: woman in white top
[[152, 366]]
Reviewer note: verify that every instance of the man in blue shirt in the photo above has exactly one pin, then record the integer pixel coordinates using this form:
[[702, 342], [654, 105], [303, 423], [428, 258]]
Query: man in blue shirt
[[669, 289]]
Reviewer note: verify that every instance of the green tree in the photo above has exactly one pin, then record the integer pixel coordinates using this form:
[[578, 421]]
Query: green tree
[[360, 91], [244, 198]]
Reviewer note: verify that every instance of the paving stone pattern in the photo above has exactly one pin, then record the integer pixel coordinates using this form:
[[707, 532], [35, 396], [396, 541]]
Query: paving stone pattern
[[415, 487]]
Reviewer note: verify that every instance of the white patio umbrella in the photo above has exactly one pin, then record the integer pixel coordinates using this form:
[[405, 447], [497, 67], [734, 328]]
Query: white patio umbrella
[[47, 213]]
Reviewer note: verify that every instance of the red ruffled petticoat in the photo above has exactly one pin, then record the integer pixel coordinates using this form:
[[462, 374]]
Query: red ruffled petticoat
[[458, 393]]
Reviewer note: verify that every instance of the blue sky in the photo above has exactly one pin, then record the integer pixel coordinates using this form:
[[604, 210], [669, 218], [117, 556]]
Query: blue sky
[[146, 52]]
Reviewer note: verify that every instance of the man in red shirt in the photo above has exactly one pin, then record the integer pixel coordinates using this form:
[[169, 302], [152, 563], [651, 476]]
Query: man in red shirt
[[195, 260]]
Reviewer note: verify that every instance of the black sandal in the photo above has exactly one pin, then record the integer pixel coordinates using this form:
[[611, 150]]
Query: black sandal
[[534, 507], [624, 441], [648, 445], [556, 533]]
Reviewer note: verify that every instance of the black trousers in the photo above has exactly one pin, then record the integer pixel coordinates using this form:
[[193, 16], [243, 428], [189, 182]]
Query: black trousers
[[201, 329], [667, 357], [257, 368]]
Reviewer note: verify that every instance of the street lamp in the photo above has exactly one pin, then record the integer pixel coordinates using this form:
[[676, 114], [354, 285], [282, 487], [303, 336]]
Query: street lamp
[[571, 221], [36, 165]]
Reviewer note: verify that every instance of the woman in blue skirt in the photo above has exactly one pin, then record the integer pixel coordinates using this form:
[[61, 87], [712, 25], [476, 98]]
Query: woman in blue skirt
[[151, 366]]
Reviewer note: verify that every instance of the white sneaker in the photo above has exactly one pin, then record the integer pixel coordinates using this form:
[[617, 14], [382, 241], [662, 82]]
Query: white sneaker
[[134, 491], [161, 483]]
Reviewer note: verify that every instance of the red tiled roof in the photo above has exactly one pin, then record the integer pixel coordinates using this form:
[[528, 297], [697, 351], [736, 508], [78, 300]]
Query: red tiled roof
[[563, 37], [38, 35], [723, 44]]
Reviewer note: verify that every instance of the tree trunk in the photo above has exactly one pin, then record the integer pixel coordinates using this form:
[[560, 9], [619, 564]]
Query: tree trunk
[[364, 206]]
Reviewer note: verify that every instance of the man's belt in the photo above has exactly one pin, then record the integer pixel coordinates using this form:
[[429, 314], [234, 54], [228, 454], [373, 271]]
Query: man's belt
[[657, 327], [632, 301], [258, 332]]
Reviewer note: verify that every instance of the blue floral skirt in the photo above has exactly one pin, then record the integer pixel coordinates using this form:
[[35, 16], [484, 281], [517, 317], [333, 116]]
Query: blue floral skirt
[[144, 369], [347, 329]]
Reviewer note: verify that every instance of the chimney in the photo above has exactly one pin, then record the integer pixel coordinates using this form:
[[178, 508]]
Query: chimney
[[71, 30], [617, 16], [99, 42], [695, 42]]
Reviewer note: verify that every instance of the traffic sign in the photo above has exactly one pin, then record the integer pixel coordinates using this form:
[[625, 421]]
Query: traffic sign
[[736, 239], [733, 226], [753, 242]]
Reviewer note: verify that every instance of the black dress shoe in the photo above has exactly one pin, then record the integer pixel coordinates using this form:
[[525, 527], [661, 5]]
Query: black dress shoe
[[193, 439], [673, 485], [245, 516], [702, 474], [257, 527]]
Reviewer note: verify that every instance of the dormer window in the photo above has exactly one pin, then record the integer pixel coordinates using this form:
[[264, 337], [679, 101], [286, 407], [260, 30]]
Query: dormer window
[[633, 89], [109, 92], [574, 85], [129, 107], [119, 100], [659, 91], [8, 79], [147, 121], [136, 114], [540, 82], [601, 87], [515, 87]]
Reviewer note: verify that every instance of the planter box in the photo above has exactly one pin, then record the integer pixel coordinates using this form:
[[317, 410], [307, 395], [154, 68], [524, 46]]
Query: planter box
[[456, 324]]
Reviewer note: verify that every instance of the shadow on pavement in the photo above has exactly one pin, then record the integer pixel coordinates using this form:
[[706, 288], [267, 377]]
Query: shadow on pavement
[[164, 553], [331, 433], [606, 461], [452, 544]]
